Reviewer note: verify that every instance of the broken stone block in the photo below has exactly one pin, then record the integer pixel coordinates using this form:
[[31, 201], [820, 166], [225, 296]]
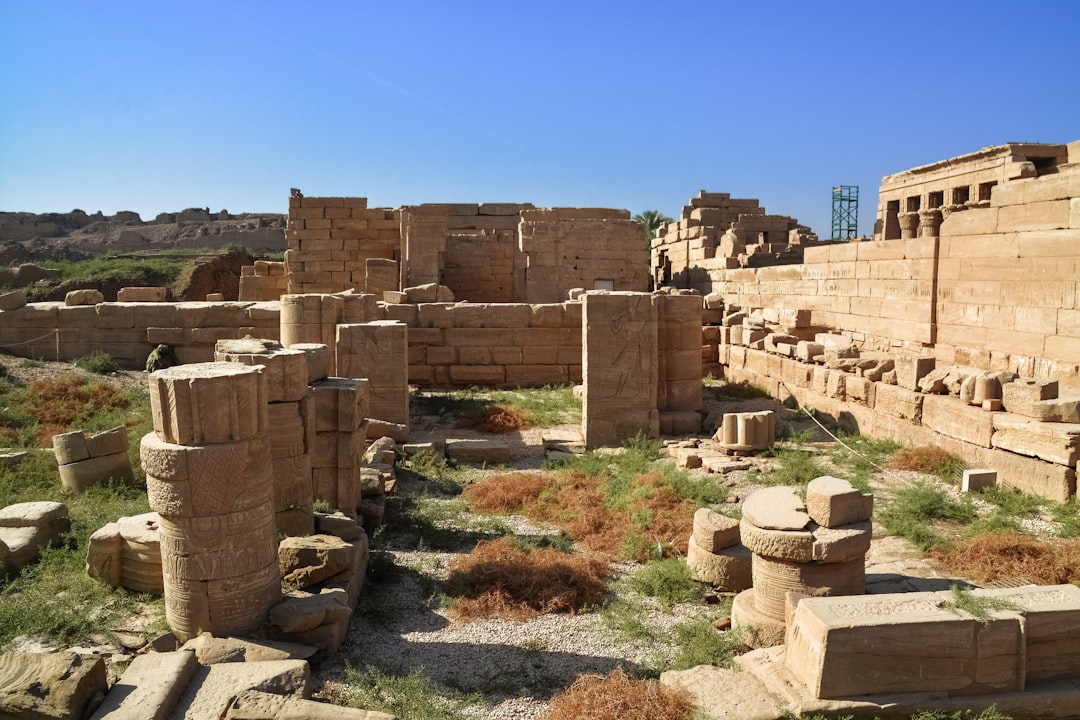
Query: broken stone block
[[285, 368], [727, 569], [337, 524], [213, 687], [127, 553], [776, 508], [256, 705], [78, 476], [307, 561], [50, 685], [832, 502], [911, 370], [210, 650], [150, 687], [26, 528], [1051, 441], [478, 452], [12, 300], [807, 351], [713, 532], [141, 294], [83, 297], [70, 447]]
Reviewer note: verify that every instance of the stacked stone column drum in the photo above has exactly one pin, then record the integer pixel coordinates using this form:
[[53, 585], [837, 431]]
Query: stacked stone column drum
[[743, 433], [378, 351], [714, 554], [341, 408], [678, 392], [292, 427], [813, 548], [313, 318], [210, 479]]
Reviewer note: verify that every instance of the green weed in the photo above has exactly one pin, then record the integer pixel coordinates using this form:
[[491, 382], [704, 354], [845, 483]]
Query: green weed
[[410, 697], [913, 509], [667, 580], [980, 607], [697, 642], [98, 362]]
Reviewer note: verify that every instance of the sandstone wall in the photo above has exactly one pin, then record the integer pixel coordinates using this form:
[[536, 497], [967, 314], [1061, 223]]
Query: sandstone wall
[[330, 238]]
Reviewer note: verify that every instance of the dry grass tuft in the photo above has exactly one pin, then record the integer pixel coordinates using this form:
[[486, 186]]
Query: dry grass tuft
[[497, 419], [56, 403], [1011, 555], [498, 579], [617, 696], [928, 459], [648, 515]]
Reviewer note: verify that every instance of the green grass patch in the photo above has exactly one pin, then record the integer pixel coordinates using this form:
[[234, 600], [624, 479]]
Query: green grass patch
[[697, 642], [859, 467], [913, 509], [409, 697], [736, 390], [98, 362], [796, 466], [542, 407], [667, 580]]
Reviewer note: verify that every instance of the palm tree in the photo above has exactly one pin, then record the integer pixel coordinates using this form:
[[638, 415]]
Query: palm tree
[[653, 220]]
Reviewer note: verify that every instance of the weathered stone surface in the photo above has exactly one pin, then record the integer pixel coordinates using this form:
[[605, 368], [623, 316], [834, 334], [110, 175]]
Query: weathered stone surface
[[213, 687], [337, 524], [319, 360], [49, 685], [149, 688], [83, 297], [256, 705], [209, 403], [306, 561], [832, 502], [713, 531], [956, 419], [211, 650], [774, 579], [776, 508], [127, 553], [761, 630], [1054, 442], [726, 569], [70, 447], [285, 368], [26, 528], [302, 612], [729, 693], [842, 544], [76, 477], [12, 300], [477, 451], [976, 479], [794, 545]]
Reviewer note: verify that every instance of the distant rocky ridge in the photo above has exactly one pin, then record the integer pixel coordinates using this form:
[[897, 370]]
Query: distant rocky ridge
[[77, 235]]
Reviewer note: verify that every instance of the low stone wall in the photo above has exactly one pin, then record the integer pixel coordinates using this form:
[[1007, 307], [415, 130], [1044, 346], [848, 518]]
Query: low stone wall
[[880, 409], [129, 331]]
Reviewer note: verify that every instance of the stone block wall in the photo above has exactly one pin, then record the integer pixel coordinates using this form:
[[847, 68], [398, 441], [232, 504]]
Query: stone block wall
[[330, 238], [129, 331], [263, 281], [590, 248]]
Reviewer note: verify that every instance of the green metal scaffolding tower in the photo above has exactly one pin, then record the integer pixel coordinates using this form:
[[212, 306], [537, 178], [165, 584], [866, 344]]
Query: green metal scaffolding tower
[[845, 212]]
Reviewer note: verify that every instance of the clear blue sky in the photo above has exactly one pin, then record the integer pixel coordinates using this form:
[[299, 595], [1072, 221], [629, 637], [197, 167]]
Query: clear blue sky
[[158, 106]]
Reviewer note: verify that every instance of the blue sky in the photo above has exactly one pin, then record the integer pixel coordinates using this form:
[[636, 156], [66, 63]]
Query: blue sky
[[158, 106]]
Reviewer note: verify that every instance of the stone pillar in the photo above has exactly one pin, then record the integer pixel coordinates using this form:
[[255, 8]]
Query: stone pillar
[[309, 318], [909, 224], [210, 479], [678, 391], [930, 222], [341, 406], [744, 433], [423, 233], [619, 367], [812, 548], [292, 436], [378, 351]]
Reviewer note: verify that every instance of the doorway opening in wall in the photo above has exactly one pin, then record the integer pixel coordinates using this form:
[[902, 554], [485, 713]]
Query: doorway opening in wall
[[936, 199], [961, 195], [984, 191], [892, 224]]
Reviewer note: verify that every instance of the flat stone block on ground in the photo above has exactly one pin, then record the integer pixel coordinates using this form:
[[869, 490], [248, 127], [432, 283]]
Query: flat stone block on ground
[[493, 452]]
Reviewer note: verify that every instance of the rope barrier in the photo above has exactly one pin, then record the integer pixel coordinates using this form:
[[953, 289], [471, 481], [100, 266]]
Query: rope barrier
[[55, 332], [842, 443]]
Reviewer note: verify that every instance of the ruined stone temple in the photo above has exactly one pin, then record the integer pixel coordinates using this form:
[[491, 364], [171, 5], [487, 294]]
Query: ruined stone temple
[[957, 324]]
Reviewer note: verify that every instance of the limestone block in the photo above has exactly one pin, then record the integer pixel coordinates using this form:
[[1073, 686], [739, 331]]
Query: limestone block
[[83, 297], [50, 685], [957, 419], [107, 442], [310, 560], [846, 543], [1051, 624], [380, 428], [908, 642], [898, 402], [1053, 442], [209, 403], [910, 370], [288, 435], [493, 452], [257, 705], [12, 300], [319, 360], [727, 569], [78, 476], [70, 447], [26, 528], [1023, 392], [776, 508], [859, 389], [832, 502], [141, 294], [713, 532], [285, 368], [760, 629], [807, 351], [214, 687], [773, 341], [976, 479], [301, 612], [341, 404], [149, 688]]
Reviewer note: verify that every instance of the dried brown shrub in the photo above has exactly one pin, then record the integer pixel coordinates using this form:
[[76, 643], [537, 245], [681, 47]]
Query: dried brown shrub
[[498, 579], [508, 492], [56, 403], [1012, 555], [652, 513], [926, 458], [497, 419], [617, 696]]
